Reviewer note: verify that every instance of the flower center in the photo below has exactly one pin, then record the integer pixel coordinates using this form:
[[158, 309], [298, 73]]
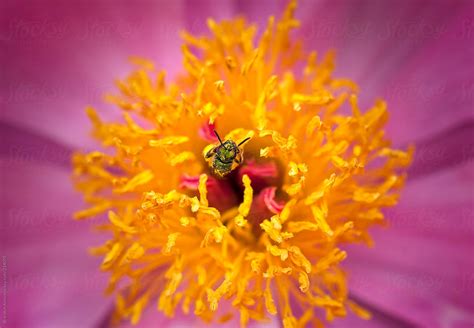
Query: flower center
[[226, 193]]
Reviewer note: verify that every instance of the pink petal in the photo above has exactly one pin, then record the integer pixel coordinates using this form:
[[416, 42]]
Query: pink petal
[[379, 319], [196, 14], [440, 77], [24, 146], [52, 280], [257, 12], [443, 150], [64, 56], [421, 268], [415, 54], [324, 26]]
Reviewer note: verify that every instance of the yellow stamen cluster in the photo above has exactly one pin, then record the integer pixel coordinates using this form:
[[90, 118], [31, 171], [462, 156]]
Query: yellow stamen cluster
[[171, 248]]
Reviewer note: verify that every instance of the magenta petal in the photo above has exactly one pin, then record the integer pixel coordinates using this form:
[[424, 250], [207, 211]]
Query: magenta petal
[[52, 280], [196, 13], [433, 89], [24, 146], [447, 148], [258, 11], [379, 319], [417, 55], [64, 56], [421, 268], [325, 26]]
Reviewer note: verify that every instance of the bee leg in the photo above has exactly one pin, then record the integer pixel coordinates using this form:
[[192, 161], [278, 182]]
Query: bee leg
[[210, 153], [238, 159]]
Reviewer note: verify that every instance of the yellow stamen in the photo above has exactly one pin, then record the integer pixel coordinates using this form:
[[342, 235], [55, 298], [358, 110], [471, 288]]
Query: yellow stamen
[[244, 208]]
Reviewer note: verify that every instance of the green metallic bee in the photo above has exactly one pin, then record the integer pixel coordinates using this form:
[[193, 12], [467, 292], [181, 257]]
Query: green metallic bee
[[225, 157]]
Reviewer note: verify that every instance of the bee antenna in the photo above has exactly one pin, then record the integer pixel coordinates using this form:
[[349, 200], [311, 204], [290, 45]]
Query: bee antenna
[[243, 141], [215, 132]]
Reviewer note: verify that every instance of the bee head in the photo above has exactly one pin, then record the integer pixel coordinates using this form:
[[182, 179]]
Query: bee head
[[227, 151]]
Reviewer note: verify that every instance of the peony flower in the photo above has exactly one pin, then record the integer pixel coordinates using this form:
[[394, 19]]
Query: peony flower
[[264, 234], [272, 240]]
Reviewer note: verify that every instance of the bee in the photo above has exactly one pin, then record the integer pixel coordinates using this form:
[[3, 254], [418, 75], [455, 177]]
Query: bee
[[226, 156]]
